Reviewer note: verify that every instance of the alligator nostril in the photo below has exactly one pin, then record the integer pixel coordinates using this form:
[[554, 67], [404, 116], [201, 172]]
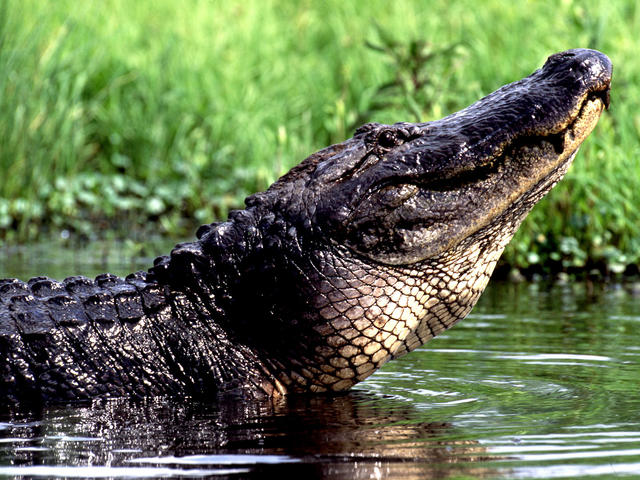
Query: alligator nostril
[[559, 57], [565, 55]]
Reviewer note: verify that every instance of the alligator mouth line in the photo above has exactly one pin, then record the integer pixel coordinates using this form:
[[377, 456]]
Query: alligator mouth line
[[559, 142]]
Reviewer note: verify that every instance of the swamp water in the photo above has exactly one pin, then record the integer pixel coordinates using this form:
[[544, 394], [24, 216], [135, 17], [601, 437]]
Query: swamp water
[[540, 381]]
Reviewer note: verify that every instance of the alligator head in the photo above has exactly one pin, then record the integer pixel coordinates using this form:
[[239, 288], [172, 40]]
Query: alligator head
[[371, 247], [404, 193]]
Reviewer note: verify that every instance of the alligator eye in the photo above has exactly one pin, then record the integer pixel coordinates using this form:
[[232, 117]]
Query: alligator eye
[[387, 139]]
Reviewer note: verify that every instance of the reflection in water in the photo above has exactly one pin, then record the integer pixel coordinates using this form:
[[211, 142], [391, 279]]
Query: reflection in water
[[355, 435], [541, 381]]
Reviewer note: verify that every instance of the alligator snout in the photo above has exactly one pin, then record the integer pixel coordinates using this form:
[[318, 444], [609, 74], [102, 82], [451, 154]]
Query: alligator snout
[[591, 68]]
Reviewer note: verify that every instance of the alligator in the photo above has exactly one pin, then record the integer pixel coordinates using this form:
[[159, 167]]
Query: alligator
[[358, 255]]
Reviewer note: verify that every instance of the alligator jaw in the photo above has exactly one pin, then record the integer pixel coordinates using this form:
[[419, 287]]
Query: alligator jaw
[[557, 150], [563, 144], [586, 119]]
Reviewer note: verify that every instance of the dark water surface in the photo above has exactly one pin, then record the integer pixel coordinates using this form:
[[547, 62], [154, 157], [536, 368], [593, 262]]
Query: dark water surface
[[540, 381]]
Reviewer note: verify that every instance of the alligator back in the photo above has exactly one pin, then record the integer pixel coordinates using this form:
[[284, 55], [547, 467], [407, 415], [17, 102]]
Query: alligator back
[[82, 338]]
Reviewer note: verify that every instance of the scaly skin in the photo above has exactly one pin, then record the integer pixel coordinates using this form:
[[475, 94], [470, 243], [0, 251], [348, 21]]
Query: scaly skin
[[360, 254]]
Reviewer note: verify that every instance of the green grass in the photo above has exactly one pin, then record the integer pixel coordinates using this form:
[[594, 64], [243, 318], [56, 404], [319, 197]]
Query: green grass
[[117, 114]]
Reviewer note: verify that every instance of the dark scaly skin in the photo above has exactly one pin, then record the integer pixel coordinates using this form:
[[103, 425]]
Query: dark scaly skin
[[358, 255]]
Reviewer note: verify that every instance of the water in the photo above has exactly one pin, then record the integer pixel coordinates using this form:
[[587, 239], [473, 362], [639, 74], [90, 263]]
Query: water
[[541, 381]]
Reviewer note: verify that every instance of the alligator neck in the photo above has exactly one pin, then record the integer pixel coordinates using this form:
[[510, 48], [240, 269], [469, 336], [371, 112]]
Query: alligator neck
[[206, 281]]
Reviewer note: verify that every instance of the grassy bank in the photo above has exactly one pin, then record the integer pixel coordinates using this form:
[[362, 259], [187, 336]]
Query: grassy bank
[[119, 114]]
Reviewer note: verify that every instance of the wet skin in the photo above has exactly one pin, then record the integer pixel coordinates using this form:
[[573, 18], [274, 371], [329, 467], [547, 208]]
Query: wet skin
[[360, 254]]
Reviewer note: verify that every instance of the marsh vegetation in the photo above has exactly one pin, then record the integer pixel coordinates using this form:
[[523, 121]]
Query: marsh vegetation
[[153, 117]]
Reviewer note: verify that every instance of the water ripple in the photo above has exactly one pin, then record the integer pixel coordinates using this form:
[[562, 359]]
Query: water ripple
[[111, 472], [235, 459]]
